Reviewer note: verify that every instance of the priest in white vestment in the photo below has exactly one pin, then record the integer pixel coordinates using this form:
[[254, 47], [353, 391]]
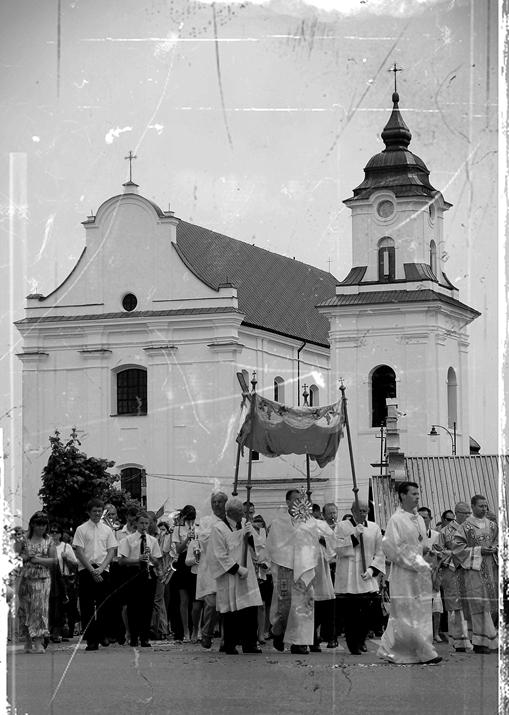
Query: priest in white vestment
[[238, 593], [205, 582], [294, 551], [356, 586], [409, 634], [474, 548]]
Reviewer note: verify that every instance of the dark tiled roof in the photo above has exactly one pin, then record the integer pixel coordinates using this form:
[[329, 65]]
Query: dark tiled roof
[[397, 296], [126, 315], [275, 293], [443, 481]]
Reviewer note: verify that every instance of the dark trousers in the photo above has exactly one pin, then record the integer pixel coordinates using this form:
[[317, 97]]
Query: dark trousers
[[240, 626], [357, 616], [325, 617], [93, 608], [141, 591], [116, 628]]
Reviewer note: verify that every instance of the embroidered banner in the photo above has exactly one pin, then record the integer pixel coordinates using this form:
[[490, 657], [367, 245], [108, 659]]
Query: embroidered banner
[[278, 429]]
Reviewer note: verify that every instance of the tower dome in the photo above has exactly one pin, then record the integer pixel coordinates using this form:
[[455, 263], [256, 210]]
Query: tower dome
[[396, 167]]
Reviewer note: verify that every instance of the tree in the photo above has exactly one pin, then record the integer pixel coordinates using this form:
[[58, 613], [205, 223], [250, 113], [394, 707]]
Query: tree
[[71, 478]]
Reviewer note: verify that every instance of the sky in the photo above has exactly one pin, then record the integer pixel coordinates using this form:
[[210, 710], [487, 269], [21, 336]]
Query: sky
[[252, 119]]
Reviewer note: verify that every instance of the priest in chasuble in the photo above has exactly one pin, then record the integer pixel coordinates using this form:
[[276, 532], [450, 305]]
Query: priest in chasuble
[[474, 548], [409, 634], [293, 549]]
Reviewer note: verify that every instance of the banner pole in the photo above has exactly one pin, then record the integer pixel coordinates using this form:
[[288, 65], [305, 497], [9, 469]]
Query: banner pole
[[352, 464], [250, 463]]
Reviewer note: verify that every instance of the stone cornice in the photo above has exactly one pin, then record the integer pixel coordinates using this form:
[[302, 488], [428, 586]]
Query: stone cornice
[[35, 356]]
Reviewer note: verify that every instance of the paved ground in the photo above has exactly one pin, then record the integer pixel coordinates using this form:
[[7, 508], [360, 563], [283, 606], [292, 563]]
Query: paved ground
[[173, 678]]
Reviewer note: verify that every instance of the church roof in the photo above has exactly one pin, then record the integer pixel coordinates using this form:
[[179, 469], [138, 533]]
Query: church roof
[[396, 296], [275, 292]]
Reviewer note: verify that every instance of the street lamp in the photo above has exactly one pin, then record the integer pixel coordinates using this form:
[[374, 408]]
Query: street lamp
[[434, 435]]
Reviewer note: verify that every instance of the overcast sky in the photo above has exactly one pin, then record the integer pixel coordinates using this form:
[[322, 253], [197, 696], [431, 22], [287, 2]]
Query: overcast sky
[[255, 120]]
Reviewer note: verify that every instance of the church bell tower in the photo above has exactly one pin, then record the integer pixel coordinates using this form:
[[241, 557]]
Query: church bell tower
[[397, 326]]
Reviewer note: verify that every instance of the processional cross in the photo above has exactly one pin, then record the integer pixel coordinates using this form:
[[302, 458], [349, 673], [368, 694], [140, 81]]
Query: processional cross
[[395, 69], [130, 158]]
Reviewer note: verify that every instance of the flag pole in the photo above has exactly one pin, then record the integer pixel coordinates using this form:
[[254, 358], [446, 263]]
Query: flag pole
[[250, 462], [305, 395], [352, 464], [245, 391]]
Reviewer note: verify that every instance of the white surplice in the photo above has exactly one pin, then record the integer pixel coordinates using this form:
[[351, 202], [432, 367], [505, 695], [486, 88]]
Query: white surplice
[[349, 568], [409, 634], [224, 551], [205, 582], [294, 551]]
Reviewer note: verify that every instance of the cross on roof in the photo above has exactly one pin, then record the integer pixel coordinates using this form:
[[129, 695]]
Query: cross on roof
[[130, 158], [395, 69]]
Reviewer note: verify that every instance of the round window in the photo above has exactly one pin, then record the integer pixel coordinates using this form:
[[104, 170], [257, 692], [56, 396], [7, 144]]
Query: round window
[[385, 209], [129, 302]]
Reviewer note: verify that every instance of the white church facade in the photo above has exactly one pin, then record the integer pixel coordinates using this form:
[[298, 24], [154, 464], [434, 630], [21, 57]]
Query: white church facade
[[139, 347]]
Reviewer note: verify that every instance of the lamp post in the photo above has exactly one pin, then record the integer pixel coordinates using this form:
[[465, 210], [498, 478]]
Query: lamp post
[[434, 435]]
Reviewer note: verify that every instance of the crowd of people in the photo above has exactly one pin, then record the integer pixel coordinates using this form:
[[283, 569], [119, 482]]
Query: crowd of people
[[302, 581]]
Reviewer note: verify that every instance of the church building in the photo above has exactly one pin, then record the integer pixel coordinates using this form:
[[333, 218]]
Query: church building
[[140, 346]]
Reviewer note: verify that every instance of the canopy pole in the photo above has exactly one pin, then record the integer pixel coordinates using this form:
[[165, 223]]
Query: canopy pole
[[250, 463], [236, 478], [245, 391], [305, 395], [352, 464]]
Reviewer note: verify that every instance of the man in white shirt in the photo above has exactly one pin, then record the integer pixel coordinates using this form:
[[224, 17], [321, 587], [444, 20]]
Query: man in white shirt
[[95, 545], [140, 555]]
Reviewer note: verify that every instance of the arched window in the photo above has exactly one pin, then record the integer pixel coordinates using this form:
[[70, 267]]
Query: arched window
[[383, 385], [314, 400], [433, 257], [279, 389], [386, 260], [134, 481], [452, 398], [132, 392]]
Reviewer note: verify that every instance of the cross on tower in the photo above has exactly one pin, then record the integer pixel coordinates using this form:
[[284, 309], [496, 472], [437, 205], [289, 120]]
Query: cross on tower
[[130, 158], [395, 69], [329, 262]]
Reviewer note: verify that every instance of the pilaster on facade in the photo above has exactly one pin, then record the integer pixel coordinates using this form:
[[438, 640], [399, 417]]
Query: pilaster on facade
[[156, 353], [32, 359], [227, 350]]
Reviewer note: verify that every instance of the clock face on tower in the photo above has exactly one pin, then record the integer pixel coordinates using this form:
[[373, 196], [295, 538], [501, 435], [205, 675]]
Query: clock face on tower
[[385, 209]]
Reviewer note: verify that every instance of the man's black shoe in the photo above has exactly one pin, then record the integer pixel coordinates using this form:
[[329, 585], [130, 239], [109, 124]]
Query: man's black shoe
[[482, 649], [363, 648], [279, 643], [356, 651], [252, 649], [206, 642], [121, 641], [299, 649], [92, 646], [133, 642], [332, 644], [104, 642], [146, 644], [460, 650], [231, 651], [315, 649], [433, 661], [222, 649]]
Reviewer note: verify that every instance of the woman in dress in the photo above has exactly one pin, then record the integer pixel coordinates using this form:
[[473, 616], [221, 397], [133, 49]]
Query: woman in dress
[[38, 555]]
